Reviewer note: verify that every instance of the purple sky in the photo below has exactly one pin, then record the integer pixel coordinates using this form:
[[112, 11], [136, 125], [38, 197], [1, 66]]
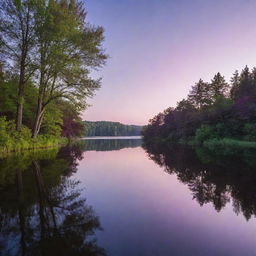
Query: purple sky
[[159, 48]]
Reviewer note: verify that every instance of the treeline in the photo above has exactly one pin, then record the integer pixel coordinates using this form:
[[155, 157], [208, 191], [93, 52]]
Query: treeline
[[104, 128], [47, 52], [214, 113]]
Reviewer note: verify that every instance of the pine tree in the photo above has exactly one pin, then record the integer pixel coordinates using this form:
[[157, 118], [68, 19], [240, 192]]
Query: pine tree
[[235, 81], [199, 95], [244, 87], [218, 87]]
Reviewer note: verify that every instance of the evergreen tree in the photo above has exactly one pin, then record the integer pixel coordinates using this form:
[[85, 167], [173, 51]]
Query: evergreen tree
[[235, 81], [199, 95], [245, 88], [218, 86], [185, 105]]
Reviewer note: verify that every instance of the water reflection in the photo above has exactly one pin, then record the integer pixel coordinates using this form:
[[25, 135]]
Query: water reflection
[[212, 177], [42, 211], [109, 144]]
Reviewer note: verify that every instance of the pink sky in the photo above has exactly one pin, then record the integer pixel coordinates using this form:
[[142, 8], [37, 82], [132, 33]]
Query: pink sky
[[158, 49]]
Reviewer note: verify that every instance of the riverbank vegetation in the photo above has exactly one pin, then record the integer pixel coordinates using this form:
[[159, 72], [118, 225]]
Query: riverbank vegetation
[[214, 114], [47, 52], [105, 128]]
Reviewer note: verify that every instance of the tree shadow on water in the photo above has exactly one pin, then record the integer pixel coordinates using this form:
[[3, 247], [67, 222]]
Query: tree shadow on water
[[42, 210], [212, 177]]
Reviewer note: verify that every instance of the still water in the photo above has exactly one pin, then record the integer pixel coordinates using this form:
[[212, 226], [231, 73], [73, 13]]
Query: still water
[[114, 197]]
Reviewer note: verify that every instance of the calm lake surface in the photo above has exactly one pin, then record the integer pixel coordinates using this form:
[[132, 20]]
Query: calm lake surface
[[114, 197]]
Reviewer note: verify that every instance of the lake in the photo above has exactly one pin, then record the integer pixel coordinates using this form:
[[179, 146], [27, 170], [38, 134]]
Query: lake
[[114, 197]]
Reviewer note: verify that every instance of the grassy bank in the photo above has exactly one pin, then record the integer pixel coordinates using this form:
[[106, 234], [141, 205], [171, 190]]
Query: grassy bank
[[17, 141], [21, 144], [229, 143], [212, 144]]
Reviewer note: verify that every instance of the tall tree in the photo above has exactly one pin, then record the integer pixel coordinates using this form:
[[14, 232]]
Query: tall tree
[[245, 89], [199, 95], [185, 105], [235, 80], [68, 49], [16, 43], [218, 86]]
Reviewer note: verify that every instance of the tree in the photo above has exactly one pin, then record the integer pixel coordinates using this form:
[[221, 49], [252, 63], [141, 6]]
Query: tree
[[218, 86], [185, 105], [68, 49], [1, 72], [199, 95], [235, 80], [209, 105], [244, 88], [16, 44], [72, 125]]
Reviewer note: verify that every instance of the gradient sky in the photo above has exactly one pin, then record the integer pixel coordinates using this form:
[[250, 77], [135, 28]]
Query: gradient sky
[[159, 48]]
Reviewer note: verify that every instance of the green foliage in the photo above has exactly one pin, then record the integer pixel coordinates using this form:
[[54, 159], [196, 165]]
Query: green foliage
[[104, 128], [53, 120], [214, 114], [47, 51], [4, 136], [250, 131], [205, 132], [68, 49], [227, 146], [16, 141]]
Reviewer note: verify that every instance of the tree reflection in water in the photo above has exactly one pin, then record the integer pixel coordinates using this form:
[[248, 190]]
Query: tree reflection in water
[[42, 211], [212, 177], [109, 144]]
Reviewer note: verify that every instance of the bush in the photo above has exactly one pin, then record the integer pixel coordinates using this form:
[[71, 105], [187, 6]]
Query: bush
[[249, 131], [3, 134], [12, 140], [204, 133]]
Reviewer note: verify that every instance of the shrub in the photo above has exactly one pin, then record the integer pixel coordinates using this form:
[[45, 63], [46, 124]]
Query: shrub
[[12, 140], [204, 133], [249, 132]]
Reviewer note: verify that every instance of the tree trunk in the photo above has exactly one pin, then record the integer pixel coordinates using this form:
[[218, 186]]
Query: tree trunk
[[38, 122], [40, 107], [19, 114], [22, 76], [38, 115]]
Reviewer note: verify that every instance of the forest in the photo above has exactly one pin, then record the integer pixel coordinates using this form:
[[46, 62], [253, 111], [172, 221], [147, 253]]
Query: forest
[[105, 128], [48, 50], [215, 113]]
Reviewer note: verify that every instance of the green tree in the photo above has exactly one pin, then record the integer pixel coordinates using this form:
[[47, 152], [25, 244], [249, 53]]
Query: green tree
[[199, 95], [218, 86], [245, 88], [16, 44], [185, 105], [235, 80], [68, 49]]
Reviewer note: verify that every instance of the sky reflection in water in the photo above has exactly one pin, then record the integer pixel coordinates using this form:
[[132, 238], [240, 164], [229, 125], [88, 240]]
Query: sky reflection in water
[[133, 201]]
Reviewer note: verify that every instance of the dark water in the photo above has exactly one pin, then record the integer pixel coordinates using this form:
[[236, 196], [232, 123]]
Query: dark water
[[113, 197]]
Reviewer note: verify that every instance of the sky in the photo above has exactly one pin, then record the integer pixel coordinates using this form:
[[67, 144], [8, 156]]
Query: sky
[[159, 48]]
